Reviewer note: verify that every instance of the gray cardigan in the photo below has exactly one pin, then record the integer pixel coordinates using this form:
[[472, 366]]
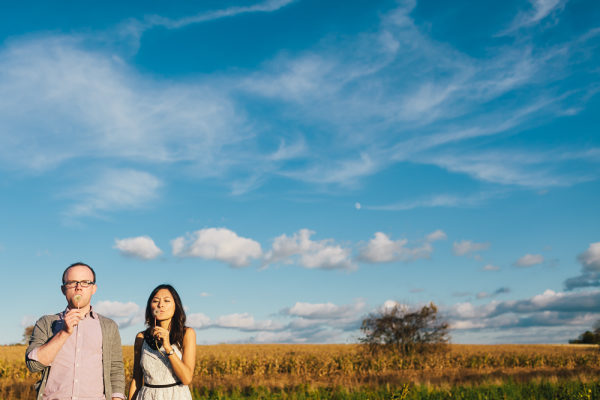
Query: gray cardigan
[[112, 353]]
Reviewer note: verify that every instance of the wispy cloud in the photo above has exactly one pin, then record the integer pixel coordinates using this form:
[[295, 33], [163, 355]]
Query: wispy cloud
[[466, 247], [540, 9], [359, 104], [497, 292], [440, 200], [114, 190], [136, 27]]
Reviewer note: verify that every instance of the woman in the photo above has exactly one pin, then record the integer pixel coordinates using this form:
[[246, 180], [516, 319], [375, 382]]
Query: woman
[[165, 353]]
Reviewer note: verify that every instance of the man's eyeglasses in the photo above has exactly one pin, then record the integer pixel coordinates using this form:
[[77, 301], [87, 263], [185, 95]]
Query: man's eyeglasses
[[73, 284]]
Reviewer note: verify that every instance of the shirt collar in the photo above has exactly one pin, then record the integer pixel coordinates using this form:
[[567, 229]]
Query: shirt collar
[[92, 313]]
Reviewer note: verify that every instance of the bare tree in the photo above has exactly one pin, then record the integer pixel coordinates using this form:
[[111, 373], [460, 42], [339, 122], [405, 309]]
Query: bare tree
[[405, 331]]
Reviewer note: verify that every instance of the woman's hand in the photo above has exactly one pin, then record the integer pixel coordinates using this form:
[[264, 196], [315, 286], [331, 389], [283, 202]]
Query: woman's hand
[[161, 334]]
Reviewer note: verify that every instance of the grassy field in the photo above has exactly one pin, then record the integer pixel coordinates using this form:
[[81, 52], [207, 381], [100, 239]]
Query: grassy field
[[347, 372]]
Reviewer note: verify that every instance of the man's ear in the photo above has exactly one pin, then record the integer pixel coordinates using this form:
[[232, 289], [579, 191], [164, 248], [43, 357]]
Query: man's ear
[[62, 289], [94, 288]]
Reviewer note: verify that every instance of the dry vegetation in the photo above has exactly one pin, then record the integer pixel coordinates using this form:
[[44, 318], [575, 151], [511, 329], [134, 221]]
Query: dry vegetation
[[235, 367]]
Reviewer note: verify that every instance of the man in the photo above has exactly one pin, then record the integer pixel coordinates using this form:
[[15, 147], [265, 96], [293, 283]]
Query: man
[[78, 351]]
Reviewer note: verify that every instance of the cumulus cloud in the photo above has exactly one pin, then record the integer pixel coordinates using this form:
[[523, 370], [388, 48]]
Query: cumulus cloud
[[590, 263], [590, 259], [124, 314], [142, 247], [381, 248], [548, 309], [198, 321], [308, 323], [217, 244], [323, 254], [466, 247], [529, 260]]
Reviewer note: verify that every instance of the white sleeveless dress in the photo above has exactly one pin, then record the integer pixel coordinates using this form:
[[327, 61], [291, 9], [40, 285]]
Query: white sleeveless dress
[[157, 370]]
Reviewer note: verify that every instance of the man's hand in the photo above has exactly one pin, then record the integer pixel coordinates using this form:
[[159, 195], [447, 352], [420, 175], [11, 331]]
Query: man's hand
[[72, 319]]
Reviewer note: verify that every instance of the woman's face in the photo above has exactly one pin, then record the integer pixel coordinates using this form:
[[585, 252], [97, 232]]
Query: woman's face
[[163, 305]]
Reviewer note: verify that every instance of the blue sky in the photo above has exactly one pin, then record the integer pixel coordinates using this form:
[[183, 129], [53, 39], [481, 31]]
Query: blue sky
[[292, 166]]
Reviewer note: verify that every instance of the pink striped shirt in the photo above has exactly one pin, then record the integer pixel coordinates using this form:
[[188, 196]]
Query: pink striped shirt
[[76, 372]]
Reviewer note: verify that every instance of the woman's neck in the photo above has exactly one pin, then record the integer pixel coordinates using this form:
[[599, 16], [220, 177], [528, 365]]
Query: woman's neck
[[165, 323]]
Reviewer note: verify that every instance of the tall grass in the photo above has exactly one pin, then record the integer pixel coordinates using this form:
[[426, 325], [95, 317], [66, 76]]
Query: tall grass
[[346, 371]]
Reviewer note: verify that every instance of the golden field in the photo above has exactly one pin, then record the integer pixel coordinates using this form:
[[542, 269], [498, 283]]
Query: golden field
[[235, 367]]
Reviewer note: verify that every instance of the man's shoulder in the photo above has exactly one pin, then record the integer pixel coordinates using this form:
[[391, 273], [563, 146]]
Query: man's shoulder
[[48, 318], [106, 320]]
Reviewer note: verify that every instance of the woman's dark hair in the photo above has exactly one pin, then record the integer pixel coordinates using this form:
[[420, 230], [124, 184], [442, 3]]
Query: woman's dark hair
[[177, 328]]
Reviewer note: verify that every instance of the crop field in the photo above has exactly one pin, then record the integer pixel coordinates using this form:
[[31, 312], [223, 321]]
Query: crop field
[[348, 372]]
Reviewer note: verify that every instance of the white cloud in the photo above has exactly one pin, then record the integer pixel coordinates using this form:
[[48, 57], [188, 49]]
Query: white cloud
[[590, 262], [276, 337], [245, 322], [490, 267], [439, 200], [499, 291], [28, 320], [169, 23], [324, 310], [577, 310], [322, 254], [198, 320], [382, 249], [529, 260], [124, 314], [218, 244], [142, 247], [465, 247], [92, 107], [590, 259], [437, 235], [540, 9], [115, 190]]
